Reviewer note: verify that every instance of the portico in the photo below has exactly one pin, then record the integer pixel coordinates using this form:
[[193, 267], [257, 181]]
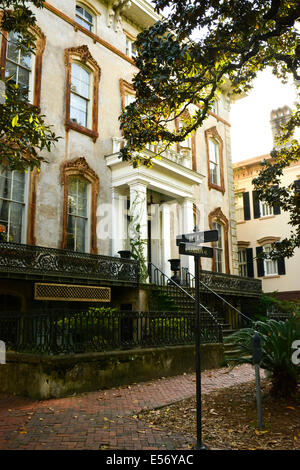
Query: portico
[[157, 200]]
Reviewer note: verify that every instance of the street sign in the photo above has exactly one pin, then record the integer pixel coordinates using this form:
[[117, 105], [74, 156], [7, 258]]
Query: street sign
[[192, 249], [198, 237]]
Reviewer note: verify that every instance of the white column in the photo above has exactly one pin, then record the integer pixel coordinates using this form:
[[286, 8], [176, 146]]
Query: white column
[[118, 222], [166, 242], [187, 227], [138, 212]]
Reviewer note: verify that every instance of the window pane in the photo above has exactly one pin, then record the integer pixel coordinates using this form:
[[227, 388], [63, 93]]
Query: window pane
[[78, 110], [80, 81], [84, 18], [15, 229], [80, 234], [12, 51], [5, 184], [18, 186]]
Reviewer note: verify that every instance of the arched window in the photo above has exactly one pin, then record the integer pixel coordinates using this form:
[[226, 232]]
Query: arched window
[[81, 186], [218, 221], [214, 149], [80, 95], [82, 91]]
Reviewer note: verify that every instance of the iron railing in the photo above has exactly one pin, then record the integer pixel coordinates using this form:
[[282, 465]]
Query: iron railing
[[37, 260], [61, 332], [226, 312], [183, 299], [225, 283]]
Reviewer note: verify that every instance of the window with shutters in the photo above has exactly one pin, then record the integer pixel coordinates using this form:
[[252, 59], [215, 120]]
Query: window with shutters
[[270, 265]]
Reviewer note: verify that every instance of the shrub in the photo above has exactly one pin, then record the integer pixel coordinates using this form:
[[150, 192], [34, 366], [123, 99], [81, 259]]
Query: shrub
[[276, 339]]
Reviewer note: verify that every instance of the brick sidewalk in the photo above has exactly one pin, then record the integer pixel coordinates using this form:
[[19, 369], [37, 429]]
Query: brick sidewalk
[[106, 419]]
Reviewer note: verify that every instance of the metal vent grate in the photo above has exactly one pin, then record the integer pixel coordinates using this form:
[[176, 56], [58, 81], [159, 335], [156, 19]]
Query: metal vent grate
[[71, 292]]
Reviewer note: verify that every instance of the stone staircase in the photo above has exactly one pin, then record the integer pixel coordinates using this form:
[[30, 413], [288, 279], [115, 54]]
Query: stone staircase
[[187, 305]]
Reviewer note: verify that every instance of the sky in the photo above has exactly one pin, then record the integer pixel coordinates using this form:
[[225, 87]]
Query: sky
[[250, 116]]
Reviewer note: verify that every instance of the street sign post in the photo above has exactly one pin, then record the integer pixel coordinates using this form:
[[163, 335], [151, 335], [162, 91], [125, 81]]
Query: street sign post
[[195, 250], [189, 245], [198, 237]]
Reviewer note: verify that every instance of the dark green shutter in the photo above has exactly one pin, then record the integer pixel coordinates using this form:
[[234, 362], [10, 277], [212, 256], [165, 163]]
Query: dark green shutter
[[281, 266], [256, 209], [250, 270], [276, 210], [260, 262], [246, 201]]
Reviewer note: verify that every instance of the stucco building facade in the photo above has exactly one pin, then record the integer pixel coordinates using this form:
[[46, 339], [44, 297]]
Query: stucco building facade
[[83, 199]]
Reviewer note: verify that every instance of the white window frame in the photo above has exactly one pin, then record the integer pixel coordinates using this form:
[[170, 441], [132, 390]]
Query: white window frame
[[242, 256], [89, 100], [265, 210], [87, 235], [214, 149], [187, 142], [31, 71], [24, 204], [130, 48], [270, 266], [78, 15]]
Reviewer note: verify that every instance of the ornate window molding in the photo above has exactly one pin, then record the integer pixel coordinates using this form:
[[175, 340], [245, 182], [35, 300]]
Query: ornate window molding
[[218, 216], [82, 55], [79, 167], [180, 145], [125, 88], [268, 240], [212, 134]]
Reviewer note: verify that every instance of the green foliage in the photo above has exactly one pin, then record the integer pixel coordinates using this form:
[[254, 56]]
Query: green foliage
[[137, 244], [198, 50], [23, 132], [276, 338], [160, 301], [284, 306]]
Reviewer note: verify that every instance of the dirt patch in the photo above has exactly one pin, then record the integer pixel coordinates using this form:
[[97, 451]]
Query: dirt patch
[[229, 419]]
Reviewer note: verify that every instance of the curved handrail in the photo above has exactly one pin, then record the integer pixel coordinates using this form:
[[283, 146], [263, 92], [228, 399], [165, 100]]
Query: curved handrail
[[192, 277]]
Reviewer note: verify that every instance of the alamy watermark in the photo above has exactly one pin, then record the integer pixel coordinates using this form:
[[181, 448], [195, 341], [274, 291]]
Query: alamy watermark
[[296, 353], [2, 353]]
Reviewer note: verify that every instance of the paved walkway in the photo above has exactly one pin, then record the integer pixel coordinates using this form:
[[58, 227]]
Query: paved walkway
[[107, 419]]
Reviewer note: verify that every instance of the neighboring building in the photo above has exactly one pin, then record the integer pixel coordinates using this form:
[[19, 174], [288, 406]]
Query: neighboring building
[[81, 77], [258, 225]]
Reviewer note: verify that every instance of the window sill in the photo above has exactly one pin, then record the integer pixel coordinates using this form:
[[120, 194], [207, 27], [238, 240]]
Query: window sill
[[267, 217], [241, 222], [83, 130], [217, 187], [271, 276]]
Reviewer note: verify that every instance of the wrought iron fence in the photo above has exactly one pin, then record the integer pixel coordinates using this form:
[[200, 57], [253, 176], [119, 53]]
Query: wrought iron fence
[[225, 283], [28, 259], [94, 330]]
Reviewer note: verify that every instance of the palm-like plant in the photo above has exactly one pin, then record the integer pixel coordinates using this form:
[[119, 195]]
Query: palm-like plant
[[277, 338]]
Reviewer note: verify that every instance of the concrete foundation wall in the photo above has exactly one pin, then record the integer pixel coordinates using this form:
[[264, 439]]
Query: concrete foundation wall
[[42, 377]]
